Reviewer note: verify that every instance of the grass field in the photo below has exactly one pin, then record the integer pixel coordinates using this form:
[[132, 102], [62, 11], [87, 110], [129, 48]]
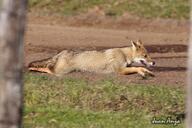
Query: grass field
[[177, 9], [75, 103]]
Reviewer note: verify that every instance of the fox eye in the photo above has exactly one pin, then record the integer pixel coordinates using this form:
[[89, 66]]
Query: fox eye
[[145, 56]]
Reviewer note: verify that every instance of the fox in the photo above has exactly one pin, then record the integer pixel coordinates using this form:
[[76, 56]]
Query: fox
[[113, 60]]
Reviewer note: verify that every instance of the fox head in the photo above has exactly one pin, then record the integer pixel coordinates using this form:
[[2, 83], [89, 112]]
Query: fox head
[[140, 54]]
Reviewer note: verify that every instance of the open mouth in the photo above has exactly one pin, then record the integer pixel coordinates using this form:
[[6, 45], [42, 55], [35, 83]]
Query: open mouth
[[143, 62]]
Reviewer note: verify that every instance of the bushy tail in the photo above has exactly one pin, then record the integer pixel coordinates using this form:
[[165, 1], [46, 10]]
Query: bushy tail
[[45, 65]]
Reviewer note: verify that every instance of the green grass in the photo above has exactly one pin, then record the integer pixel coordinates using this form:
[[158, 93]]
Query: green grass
[[73, 103], [177, 9]]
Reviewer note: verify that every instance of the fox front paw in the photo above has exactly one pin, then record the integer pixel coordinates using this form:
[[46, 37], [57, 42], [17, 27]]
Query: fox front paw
[[145, 73]]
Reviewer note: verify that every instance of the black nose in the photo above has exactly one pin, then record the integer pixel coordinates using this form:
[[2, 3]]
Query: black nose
[[153, 63]]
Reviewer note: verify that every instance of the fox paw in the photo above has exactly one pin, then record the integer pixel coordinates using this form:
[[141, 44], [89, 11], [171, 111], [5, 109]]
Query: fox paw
[[145, 73]]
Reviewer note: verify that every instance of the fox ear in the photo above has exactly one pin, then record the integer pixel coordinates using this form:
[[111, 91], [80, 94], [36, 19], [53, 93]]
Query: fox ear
[[134, 44], [139, 42]]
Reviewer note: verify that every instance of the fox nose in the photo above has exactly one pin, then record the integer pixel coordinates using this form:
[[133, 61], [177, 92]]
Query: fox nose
[[153, 63]]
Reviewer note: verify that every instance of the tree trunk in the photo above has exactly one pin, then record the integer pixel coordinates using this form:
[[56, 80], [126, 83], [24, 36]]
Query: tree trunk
[[189, 81], [12, 24], [189, 88]]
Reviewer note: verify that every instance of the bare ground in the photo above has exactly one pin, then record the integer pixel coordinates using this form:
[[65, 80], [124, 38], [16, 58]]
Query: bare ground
[[165, 40]]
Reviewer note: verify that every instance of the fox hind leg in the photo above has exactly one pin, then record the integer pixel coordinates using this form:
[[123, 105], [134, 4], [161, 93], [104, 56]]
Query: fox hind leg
[[45, 70], [45, 65]]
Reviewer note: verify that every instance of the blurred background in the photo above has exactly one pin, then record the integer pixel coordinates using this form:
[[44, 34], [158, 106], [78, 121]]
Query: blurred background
[[106, 12], [176, 9]]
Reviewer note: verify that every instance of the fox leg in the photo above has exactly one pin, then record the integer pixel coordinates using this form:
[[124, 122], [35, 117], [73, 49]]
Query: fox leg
[[140, 70]]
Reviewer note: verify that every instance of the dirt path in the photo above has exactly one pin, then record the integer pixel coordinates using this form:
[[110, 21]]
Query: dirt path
[[168, 49]]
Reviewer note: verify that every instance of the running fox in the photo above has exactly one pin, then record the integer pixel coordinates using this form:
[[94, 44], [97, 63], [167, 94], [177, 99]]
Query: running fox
[[116, 60]]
